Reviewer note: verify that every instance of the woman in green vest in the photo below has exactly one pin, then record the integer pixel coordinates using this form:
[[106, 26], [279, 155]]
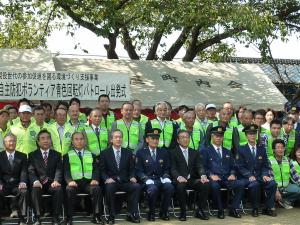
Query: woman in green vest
[[284, 171], [295, 156]]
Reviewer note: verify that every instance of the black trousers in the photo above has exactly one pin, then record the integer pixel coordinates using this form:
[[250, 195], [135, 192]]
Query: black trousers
[[133, 191], [57, 199], [83, 186], [201, 190], [21, 196]]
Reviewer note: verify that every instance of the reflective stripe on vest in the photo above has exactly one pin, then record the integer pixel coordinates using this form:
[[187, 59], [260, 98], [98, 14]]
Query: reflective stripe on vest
[[166, 135], [290, 143], [242, 136], [110, 118], [76, 167], [194, 138], [93, 144], [233, 121], [281, 172], [144, 119], [131, 135]]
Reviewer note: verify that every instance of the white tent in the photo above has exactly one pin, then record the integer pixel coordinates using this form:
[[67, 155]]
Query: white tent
[[187, 83], [153, 81]]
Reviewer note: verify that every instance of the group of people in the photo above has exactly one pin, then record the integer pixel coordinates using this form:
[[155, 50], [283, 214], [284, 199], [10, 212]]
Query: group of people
[[63, 152]]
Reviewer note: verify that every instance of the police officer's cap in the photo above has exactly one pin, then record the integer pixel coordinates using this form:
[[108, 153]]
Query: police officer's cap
[[153, 132], [218, 130], [250, 128], [294, 109]]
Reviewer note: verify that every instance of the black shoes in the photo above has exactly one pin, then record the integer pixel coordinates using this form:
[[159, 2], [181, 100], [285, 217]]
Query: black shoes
[[69, 221], [234, 213], [98, 220], [269, 212], [182, 216], [133, 219], [164, 216], [221, 214], [151, 217], [111, 220], [201, 215], [255, 212]]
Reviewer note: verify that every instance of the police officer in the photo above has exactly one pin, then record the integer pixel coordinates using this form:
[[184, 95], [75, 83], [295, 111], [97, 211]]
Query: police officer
[[81, 175], [97, 136], [255, 170], [220, 168], [153, 169], [132, 131]]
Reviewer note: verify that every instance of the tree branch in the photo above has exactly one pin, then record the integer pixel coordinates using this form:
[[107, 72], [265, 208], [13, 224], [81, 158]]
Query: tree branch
[[154, 45], [173, 50], [128, 46]]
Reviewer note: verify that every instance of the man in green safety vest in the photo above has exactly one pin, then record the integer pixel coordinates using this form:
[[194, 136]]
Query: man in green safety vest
[[259, 120], [40, 117], [233, 122], [137, 114], [97, 136], [239, 136], [289, 134], [81, 117], [81, 175], [167, 138], [271, 135], [74, 120], [201, 120], [108, 116], [4, 127], [211, 112], [61, 132], [284, 170], [224, 116], [197, 138], [132, 131], [26, 130]]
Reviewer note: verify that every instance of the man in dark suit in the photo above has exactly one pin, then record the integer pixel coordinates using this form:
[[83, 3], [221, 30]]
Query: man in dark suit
[[188, 173], [255, 170], [220, 168], [118, 174], [13, 175], [45, 176], [153, 170], [81, 175]]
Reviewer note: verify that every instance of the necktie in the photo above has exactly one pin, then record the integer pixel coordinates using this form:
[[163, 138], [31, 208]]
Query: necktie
[[80, 157], [286, 138], [60, 130], [219, 152], [45, 158], [118, 158], [97, 131], [11, 160], [253, 152], [153, 155], [186, 157]]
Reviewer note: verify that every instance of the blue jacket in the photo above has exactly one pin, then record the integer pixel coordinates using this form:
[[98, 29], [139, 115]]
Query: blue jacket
[[146, 168], [249, 166], [214, 165]]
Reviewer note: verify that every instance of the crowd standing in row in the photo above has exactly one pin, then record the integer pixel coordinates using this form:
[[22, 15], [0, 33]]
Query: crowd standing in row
[[204, 150]]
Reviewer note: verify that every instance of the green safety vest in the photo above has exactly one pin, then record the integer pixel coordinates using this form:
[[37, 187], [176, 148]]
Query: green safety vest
[[76, 166], [297, 167], [2, 135], [26, 137], [81, 118], [131, 135], [63, 146], [195, 137], [281, 172], [94, 144], [269, 143], [109, 120], [291, 141], [233, 121], [242, 136], [143, 120], [227, 141], [166, 135], [17, 120], [198, 125]]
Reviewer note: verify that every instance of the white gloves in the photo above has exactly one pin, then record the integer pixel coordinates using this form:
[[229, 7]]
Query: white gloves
[[165, 180], [149, 181]]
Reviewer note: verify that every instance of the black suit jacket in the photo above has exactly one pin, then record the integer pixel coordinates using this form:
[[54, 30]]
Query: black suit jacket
[[17, 174], [37, 169], [67, 171], [109, 169], [179, 167]]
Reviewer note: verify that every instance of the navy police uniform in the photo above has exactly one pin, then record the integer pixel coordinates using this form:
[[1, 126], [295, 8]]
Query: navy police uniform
[[219, 161], [153, 170], [256, 164]]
